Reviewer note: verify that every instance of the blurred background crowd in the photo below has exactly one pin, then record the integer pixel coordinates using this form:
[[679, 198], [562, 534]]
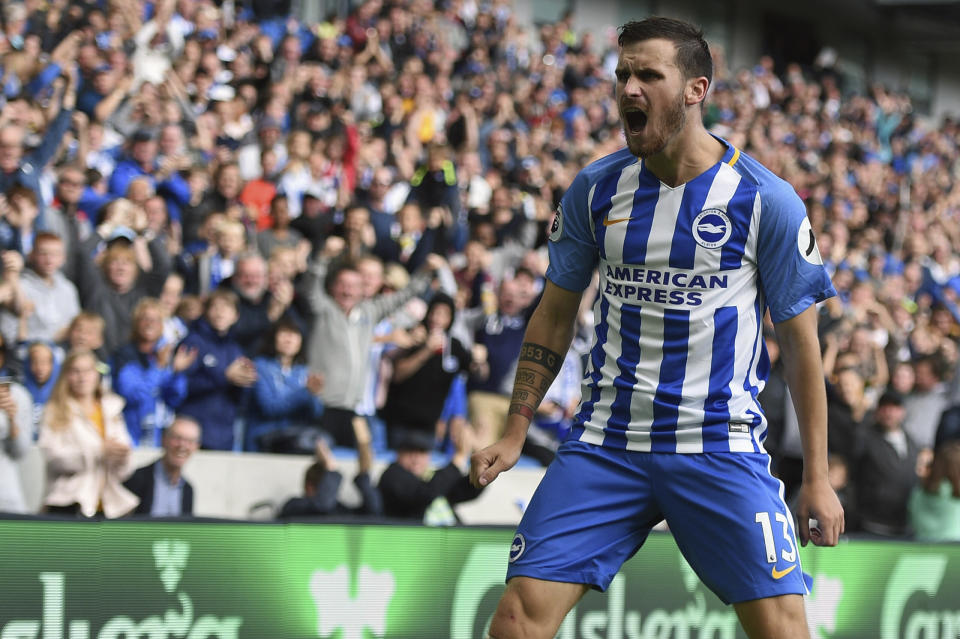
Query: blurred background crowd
[[225, 227]]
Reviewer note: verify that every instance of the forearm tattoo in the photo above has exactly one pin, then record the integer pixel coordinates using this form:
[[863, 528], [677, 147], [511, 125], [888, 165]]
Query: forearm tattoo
[[552, 361], [530, 384]]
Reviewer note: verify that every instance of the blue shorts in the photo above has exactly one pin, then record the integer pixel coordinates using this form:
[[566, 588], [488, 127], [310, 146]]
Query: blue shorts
[[595, 507]]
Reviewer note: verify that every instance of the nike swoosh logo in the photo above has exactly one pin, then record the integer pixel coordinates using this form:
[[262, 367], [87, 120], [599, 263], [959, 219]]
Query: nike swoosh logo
[[780, 574], [609, 222]]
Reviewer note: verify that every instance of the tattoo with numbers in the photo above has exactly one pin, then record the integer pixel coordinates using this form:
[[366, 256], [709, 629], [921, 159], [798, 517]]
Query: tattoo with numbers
[[551, 360]]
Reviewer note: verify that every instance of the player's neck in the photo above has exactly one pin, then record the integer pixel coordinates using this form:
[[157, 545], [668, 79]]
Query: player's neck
[[691, 152]]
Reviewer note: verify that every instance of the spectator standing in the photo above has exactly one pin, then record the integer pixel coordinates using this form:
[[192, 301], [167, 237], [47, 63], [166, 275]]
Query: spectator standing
[[220, 374], [489, 388], [342, 331], [53, 298], [424, 373], [148, 372], [16, 430], [885, 470], [286, 397], [85, 444], [926, 403], [41, 369], [260, 304], [160, 486], [17, 167], [278, 233]]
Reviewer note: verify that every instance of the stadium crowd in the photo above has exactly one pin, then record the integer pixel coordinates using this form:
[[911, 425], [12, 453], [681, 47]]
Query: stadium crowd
[[280, 236]]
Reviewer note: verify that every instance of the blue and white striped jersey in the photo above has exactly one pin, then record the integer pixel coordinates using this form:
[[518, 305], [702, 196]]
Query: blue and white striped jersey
[[686, 274]]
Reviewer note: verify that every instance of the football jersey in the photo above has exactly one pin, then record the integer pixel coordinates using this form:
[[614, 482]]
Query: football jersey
[[686, 274]]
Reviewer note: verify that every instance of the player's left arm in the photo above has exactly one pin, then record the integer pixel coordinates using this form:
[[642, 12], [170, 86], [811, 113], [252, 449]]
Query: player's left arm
[[800, 349]]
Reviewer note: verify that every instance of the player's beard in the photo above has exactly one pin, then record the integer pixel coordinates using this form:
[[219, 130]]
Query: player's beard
[[656, 134]]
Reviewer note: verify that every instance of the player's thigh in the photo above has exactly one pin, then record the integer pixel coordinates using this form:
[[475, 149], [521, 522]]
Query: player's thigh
[[533, 609], [592, 511], [731, 523], [781, 617]]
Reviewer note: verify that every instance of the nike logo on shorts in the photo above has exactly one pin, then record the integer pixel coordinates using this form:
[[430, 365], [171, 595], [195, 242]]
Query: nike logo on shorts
[[780, 574]]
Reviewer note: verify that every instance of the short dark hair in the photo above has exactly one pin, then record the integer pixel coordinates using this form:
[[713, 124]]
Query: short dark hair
[[314, 474], [334, 273], [268, 347], [223, 294], [693, 53]]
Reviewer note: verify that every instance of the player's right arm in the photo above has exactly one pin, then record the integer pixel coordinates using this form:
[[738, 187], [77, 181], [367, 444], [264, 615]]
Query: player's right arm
[[545, 344]]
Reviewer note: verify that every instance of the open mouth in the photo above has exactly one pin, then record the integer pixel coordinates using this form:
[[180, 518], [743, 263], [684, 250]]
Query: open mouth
[[635, 120]]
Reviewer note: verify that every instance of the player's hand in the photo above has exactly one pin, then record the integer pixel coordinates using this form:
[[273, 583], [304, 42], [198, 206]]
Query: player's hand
[[487, 464], [818, 501]]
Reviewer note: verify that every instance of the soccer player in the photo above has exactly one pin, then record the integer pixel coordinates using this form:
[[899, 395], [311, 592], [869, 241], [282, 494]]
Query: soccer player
[[694, 241]]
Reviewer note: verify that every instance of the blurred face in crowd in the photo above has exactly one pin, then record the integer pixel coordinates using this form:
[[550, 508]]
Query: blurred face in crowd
[[70, 186], [171, 140], [288, 343], [121, 272], [416, 462], [268, 162], [511, 297], [180, 440], [851, 385], [283, 265], [86, 334], [250, 280], [356, 220], [902, 378], [410, 218], [650, 96], [230, 238], [925, 376], [889, 416], [144, 153], [171, 294], [47, 256], [476, 254], [82, 377], [347, 289], [149, 324], [156, 213], [371, 272], [299, 145], [11, 148], [22, 212], [41, 363], [139, 190], [439, 318], [221, 314], [229, 182], [280, 212]]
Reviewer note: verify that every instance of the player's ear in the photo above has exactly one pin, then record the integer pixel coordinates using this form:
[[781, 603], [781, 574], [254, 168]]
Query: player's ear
[[696, 90]]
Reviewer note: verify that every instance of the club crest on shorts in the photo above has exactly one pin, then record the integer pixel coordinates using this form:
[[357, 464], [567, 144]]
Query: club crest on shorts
[[556, 228], [712, 228], [807, 243], [517, 546]]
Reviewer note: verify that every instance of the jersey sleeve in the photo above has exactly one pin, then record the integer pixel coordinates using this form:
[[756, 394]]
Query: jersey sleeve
[[572, 247], [791, 270]]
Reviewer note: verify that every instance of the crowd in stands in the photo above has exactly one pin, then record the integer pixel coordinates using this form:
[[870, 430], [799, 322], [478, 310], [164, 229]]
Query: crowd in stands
[[223, 227]]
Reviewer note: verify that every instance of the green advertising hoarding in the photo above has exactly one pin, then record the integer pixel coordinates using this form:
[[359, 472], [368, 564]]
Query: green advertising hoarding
[[160, 580]]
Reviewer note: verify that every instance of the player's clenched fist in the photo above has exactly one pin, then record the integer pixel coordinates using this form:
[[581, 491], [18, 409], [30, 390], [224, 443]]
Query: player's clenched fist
[[486, 464]]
